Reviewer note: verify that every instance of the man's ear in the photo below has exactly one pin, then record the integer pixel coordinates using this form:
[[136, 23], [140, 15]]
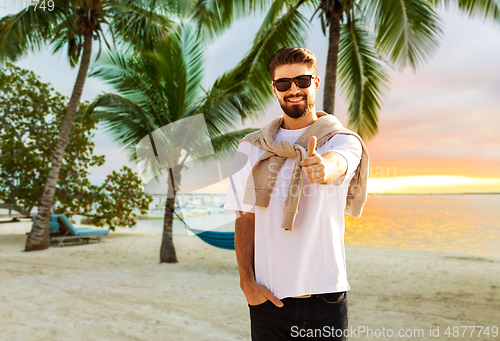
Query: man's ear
[[317, 81]]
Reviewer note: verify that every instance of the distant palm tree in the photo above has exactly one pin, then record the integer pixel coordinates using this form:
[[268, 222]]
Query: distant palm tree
[[74, 24], [364, 37], [158, 89]]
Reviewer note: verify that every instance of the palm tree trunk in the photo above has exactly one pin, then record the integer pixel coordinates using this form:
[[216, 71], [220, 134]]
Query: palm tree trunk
[[331, 60], [167, 249], [38, 238]]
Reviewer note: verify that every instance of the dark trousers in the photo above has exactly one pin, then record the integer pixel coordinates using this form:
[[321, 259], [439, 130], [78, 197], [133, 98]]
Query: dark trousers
[[319, 317]]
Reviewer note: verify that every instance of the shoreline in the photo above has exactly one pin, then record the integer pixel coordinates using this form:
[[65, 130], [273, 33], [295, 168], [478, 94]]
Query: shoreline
[[117, 289]]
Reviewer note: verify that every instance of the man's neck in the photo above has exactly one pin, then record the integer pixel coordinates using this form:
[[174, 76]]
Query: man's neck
[[299, 123]]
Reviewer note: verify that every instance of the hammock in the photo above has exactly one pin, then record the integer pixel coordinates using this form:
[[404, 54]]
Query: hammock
[[223, 240]]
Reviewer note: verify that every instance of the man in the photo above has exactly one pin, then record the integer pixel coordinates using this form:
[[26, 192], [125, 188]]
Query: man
[[302, 171]]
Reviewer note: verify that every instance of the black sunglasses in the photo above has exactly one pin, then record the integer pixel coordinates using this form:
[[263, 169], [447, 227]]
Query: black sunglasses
[[284, 84]]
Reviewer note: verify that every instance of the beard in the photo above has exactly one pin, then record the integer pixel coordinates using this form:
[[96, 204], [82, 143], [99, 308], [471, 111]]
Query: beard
[[296, 110]]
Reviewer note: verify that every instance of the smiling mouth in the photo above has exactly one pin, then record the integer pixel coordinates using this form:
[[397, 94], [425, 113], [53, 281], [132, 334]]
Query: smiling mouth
[[295, 100]]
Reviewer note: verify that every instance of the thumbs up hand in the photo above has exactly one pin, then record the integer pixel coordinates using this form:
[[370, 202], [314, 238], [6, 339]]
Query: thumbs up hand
[[314, 165], [311, 149]]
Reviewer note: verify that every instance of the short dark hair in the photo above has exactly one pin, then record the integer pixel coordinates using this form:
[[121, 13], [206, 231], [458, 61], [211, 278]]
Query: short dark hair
[[293, 55]]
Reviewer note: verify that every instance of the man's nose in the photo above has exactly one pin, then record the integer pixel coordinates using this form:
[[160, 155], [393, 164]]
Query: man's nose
[[294, 88]]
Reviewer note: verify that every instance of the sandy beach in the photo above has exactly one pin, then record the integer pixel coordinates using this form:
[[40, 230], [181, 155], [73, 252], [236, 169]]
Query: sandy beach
[[117, 290]]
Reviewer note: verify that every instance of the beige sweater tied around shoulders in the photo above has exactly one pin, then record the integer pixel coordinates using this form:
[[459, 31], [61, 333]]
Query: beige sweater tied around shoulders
[[261, 181]]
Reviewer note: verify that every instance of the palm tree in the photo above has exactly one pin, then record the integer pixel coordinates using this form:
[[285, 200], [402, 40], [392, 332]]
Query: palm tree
[[365, 37], [75, 24], [157, 89]]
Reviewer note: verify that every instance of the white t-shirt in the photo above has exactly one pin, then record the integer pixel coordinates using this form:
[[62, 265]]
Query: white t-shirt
[[310, 259]]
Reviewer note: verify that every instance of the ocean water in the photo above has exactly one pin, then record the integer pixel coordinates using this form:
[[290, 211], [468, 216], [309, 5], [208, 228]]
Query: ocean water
[[467, 223], [452, 223]]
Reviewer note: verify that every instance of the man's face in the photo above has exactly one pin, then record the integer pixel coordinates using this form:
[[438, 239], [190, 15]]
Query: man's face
[[296, 102]]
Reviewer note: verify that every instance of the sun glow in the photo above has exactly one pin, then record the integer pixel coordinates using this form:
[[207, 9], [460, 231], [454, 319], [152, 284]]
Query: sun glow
[[433, 184], [424, 184]]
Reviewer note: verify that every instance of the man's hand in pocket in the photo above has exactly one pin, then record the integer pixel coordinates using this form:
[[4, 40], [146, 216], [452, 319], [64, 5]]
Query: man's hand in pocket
[[257, 294]]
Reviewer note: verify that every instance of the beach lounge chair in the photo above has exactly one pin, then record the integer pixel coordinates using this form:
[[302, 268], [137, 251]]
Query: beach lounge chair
[[62, 231]]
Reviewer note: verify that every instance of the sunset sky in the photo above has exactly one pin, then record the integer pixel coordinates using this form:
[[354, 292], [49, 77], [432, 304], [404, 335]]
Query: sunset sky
[[439, 128]]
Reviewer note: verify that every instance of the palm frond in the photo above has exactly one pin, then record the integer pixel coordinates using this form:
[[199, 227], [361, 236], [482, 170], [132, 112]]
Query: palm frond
[[29, 30], [162, 85], [278, 8], [133, 77], [170, 8], [407, 31], [142, 28], [193, 52], [166, 81], [213, 17], [10, 48], [224, 110], [125, 119], [179, 65], [228, 142], [484, 9], [363, 78]]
